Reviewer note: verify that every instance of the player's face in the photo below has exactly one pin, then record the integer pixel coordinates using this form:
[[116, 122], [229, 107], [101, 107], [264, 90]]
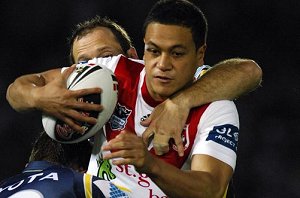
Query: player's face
[[101, 42], [170, 59]]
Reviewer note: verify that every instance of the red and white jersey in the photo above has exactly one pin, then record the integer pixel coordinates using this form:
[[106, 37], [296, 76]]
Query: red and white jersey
[[211, 129]]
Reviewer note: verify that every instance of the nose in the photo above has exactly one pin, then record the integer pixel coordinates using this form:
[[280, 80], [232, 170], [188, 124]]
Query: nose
[[164, 62]]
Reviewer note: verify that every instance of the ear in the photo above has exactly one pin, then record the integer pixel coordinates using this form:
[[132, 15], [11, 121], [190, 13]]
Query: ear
[[131, 53], [200, 55]]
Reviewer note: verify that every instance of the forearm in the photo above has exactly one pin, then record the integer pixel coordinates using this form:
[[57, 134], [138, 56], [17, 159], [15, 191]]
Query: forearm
[[177, 183], [20, 94], [226, 80]]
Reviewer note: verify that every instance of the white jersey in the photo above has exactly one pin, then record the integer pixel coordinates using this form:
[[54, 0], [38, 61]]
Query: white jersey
[[211, 129]]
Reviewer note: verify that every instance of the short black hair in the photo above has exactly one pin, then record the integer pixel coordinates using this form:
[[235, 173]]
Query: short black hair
[[88, 26], [182, 13], [45, 148]]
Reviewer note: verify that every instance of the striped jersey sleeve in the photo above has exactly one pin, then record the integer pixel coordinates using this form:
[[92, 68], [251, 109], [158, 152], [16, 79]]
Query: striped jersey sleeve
[[201, 70], [92, 186]]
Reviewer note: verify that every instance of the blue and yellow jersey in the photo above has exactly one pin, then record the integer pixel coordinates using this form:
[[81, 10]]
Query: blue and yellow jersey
[[44, 179]]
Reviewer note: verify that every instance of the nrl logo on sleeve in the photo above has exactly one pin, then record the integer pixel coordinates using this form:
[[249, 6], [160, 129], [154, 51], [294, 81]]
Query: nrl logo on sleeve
[[226, 135], [119, 118]]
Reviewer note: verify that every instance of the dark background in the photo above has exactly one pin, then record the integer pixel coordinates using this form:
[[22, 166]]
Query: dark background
[[33, 39]]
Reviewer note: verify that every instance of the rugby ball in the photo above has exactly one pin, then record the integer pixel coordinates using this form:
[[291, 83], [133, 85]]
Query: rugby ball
[[86, 75]]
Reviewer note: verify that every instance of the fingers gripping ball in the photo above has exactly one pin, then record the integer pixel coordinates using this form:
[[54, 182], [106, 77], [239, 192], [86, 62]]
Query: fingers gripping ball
[[86, 76]]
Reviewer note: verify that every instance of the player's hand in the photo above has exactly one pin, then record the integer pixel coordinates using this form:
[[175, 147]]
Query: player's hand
[[128, 148], [56, 100], [166, 122]]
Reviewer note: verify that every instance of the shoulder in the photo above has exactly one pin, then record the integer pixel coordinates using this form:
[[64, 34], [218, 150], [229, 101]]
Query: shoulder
[[218, 132], [220, 115], [222, 108], [216, 113]]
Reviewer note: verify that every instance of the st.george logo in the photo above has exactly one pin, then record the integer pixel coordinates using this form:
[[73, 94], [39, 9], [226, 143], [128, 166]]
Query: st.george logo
[[185, 138]]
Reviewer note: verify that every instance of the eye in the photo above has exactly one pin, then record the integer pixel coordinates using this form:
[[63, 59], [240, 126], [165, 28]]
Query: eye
[[153, 51], [177, 54], [106, 54]]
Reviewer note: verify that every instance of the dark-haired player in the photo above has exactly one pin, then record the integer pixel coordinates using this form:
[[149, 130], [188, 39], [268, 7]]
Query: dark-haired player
[[175, 44], [57, 170]]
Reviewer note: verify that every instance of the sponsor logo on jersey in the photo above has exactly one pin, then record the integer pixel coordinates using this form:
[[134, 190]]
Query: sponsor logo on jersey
[[104, 170], [226, 135], [119, 118], [185, 138], [115, 192], [110, 190], [53, 176]]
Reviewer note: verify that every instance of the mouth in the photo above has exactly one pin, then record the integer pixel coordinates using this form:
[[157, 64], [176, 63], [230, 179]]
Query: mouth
[[163, 79]]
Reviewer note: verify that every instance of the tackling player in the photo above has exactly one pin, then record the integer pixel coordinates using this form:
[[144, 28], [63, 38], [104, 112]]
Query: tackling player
[[47, 91], [57, 170]]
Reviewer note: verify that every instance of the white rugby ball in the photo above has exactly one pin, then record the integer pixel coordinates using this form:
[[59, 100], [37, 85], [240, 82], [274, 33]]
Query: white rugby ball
[[86, 76]]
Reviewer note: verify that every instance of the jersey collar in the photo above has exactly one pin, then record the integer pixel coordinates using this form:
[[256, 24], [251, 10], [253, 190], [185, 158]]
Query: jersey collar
[[147, 97]]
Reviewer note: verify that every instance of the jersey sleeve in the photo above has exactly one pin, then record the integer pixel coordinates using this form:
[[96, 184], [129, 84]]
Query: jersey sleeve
[[83, 186], [201, 70], [107, 188], [218, 132], [89, 186]]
